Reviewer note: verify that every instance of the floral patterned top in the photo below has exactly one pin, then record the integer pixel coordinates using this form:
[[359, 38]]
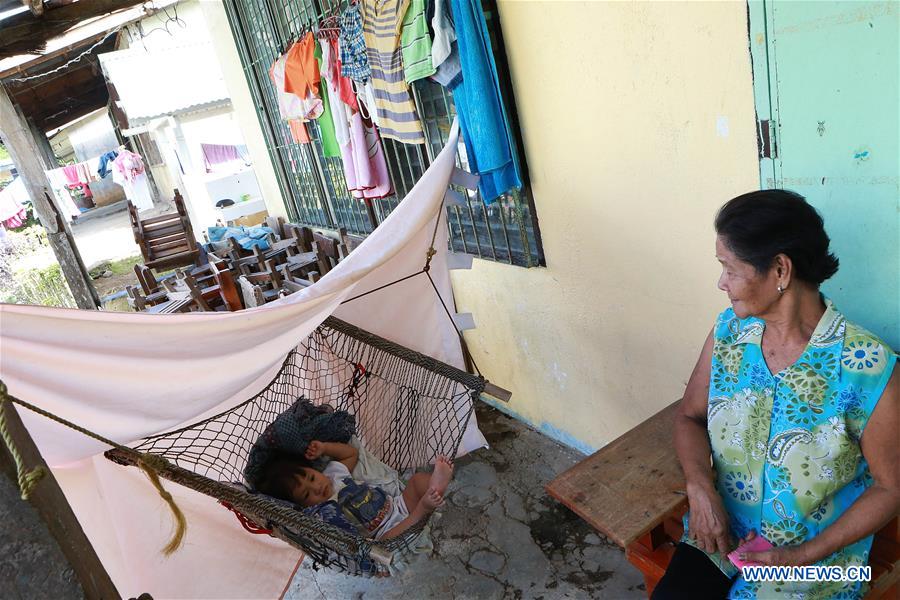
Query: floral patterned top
[[786, 447]]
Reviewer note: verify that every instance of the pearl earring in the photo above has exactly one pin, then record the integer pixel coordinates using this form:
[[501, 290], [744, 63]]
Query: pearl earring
[[780, 289]]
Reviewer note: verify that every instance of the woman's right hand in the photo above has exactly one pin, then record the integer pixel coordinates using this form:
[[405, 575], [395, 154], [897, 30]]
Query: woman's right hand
[[709, 523]]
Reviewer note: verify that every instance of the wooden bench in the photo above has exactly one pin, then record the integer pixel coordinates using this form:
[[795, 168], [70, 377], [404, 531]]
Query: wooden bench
[[632, 491], [165, 241]]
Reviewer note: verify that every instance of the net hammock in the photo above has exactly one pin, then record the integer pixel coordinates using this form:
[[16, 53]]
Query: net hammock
[[409, 408]]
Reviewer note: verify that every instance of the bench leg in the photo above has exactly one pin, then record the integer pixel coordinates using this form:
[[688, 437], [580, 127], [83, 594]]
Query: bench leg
[[651, 554]]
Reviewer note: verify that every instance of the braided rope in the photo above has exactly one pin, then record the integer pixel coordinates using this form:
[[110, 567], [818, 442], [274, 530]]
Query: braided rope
[[150, 464], [27, 479]]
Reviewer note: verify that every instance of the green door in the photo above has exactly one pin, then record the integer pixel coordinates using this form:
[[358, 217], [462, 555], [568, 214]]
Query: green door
[[826, 88]]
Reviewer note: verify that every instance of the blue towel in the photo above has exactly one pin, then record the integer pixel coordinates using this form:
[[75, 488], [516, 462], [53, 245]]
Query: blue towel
[[247, 237], [482, 117]]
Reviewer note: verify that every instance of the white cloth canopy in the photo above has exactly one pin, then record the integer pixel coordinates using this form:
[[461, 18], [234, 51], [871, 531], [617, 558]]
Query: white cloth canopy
[[130, 375]]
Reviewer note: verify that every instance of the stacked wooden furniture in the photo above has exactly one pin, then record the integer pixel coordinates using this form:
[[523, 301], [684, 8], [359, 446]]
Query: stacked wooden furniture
[[165, 241], [632, 491], [237, 278]]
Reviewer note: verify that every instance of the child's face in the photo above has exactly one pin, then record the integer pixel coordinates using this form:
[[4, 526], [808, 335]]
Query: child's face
[[310, 487]]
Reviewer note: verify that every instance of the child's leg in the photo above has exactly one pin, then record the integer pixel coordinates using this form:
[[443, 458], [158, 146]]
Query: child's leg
[[415, 489], [423, 494]]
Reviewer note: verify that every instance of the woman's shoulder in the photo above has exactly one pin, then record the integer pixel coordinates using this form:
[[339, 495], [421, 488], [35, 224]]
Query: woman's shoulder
[[856, 332], [863, 352]]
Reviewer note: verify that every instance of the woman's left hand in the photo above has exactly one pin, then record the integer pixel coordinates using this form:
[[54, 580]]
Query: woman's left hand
[[780, 556]]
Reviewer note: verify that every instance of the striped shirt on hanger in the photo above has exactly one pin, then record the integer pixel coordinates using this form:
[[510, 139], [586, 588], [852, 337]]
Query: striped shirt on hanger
[[415, 43], [394, 107]]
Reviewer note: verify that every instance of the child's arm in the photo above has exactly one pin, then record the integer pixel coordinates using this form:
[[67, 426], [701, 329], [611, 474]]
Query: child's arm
[[343, 453]]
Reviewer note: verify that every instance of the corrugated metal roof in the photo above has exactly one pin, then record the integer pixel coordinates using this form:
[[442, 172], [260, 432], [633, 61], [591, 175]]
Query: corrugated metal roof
[[165, 81]]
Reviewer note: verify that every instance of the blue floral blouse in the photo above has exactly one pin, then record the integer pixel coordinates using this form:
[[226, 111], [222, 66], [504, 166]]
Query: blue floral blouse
[[786, 447]]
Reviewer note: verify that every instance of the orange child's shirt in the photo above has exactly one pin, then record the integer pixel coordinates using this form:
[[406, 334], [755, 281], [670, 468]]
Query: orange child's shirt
[[301, 70]]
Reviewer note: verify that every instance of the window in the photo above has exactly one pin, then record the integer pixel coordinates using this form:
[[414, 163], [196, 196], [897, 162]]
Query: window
[[313, 185]]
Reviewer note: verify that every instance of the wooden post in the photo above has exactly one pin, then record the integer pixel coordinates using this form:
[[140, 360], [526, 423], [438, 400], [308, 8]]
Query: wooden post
[[42, 142], [49, 501], [30, 161]]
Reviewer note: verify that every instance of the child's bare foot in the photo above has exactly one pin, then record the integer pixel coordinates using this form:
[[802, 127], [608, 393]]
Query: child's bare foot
[[440, 477], [431, 501]]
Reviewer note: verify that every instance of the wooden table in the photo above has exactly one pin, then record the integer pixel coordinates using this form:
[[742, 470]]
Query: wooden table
[[622, 488], [633, 491]]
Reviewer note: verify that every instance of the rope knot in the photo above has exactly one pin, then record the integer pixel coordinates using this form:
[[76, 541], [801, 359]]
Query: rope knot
[[151, 464]]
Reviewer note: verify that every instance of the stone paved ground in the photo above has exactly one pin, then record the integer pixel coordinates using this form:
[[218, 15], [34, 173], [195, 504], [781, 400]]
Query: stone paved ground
[[500, 535]]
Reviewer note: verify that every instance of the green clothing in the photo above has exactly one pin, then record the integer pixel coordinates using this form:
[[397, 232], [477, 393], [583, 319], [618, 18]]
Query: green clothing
[[415, 43], [330, 146]]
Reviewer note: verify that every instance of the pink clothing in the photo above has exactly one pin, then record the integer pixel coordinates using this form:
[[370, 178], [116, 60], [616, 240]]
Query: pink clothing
[[364, 164], [365, 167], [78, 174], [128, 165]]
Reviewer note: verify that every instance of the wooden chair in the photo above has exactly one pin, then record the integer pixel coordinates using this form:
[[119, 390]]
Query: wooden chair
[[165, 302], [223, 293], [327, 250], [632, 491], [154, 292], [349, 242], [165, 241]]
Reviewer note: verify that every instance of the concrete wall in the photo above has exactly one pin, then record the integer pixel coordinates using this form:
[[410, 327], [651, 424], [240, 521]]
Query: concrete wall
[[244, 107], [638, 122]]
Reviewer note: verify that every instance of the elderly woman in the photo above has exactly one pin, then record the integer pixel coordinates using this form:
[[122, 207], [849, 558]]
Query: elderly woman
[[797, 408]]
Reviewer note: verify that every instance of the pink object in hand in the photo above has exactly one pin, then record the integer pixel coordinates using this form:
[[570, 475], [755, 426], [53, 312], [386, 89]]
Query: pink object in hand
[[757, 544]]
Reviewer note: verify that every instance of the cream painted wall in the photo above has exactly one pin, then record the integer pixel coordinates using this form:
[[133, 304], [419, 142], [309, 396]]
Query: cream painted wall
[[638, 122], [244, 108]]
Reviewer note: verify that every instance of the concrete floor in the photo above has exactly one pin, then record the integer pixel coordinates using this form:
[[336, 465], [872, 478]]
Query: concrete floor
[[107, 237], [500, 535]]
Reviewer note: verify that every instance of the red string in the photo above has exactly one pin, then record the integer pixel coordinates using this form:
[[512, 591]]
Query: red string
[[245, 522]]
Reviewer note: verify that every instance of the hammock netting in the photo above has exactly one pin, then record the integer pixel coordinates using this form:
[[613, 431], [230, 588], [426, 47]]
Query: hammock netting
[[409, 408]]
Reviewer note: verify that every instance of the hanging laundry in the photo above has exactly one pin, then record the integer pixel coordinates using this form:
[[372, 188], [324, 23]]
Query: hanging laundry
[[479, 105], [340, 111], [59, 182], [444, 31], [362, 154], [105, 159], [330, 147], [78, 174], [332, 72], [367, 175], [290, 105], [128, 171], [354, 55], [415, 43], [12, 211], [444, 49], [301, 75], [219, 157], [394, 108]]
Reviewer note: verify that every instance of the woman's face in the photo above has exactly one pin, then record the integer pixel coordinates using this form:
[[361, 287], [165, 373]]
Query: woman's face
[[751, 293]]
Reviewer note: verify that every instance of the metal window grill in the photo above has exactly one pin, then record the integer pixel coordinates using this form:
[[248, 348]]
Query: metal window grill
[[314, 185]]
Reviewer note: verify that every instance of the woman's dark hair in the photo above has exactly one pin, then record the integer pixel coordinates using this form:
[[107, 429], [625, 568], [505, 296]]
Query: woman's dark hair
[[760, 225]]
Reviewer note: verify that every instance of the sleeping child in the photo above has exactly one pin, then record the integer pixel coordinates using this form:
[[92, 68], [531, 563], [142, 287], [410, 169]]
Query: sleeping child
[[374, 512]]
